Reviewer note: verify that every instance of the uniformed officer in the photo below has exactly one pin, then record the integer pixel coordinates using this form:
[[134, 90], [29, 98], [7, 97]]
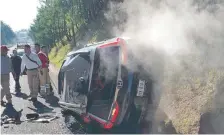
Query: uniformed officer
[[6, 68], [33, 65], [38, 49], [44, 77]]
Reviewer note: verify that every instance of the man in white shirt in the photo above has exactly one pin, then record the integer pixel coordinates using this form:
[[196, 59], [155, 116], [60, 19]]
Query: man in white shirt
[[33, 64]]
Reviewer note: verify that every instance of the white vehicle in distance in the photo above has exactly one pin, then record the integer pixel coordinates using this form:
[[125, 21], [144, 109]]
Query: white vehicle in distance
[[20, 52]]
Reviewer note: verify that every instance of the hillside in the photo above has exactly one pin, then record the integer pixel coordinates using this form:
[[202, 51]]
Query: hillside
[[186, 39]]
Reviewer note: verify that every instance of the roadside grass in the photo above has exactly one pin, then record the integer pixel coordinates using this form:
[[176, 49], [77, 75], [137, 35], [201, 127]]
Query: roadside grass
[[58, 53], [189, 97]]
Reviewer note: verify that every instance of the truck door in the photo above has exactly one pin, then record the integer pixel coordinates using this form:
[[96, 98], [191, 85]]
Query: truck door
[[75, 90]]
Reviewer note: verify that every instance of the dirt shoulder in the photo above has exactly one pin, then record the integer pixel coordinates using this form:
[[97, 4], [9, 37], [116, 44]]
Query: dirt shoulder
[[53, 72]]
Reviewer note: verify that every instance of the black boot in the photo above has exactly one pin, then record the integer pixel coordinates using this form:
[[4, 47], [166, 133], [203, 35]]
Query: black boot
[[17, 90], [34, 99]]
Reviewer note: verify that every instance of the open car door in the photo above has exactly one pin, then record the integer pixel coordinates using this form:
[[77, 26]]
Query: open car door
[[76, 80]]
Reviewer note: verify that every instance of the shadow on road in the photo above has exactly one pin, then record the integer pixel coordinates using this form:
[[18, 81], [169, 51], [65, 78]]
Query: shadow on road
[[74, 124], [40, 108], [52, 100], [11, 112], [21, 95]]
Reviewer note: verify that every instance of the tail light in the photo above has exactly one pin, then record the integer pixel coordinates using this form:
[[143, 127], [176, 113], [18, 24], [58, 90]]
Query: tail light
[[108, 125], [114, 116], [85, 118]]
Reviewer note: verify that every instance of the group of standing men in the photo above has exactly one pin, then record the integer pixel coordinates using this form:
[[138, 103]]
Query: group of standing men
[[34, 64]]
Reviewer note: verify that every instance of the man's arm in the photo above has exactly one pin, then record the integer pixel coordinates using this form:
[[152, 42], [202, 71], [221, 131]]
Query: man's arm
[[22, 65], [19, 63], [20, 60], [10, 66], [38, 60]]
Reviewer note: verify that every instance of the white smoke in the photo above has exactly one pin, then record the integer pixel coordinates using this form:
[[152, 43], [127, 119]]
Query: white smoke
[[184, 36]]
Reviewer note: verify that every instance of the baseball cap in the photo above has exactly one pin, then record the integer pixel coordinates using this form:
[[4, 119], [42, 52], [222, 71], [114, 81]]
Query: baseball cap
[[3, 47]]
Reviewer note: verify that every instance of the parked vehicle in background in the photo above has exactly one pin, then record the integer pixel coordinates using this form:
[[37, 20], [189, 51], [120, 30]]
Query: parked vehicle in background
[[20, 52], [96, 83]]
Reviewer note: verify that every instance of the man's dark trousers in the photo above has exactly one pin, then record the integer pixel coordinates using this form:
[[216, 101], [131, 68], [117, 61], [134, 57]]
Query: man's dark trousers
[[17, 84], [16, 64]]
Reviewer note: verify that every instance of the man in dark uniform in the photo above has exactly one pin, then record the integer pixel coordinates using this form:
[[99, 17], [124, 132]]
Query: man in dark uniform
[[16, 65]]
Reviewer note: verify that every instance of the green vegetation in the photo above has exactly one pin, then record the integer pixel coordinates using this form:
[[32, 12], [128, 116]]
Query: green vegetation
[[67, 22], [7, 34], [58, 53], [59, 19]]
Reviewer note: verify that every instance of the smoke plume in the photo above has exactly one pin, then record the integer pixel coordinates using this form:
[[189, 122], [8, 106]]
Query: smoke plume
[[184, 40]]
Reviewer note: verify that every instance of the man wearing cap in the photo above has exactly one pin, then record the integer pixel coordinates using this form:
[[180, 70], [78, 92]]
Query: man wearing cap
[[44, 76], [6, 68], [33, 65]]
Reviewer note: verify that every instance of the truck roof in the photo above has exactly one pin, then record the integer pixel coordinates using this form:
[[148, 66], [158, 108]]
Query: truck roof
[[91, 46]]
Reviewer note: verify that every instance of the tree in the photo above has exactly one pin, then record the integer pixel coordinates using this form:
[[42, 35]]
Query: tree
[[7, 34], [58, 20]]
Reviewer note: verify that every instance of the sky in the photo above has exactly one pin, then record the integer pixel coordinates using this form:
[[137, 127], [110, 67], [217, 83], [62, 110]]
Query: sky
[[18, 14]]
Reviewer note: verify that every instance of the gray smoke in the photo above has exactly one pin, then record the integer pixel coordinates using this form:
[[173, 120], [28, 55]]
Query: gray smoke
[[183, 38]]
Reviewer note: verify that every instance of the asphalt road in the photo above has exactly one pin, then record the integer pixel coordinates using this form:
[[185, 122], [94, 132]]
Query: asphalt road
[[44, 106]]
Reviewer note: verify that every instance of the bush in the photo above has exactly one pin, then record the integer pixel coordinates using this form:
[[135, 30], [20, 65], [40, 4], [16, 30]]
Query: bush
[[58, 53]]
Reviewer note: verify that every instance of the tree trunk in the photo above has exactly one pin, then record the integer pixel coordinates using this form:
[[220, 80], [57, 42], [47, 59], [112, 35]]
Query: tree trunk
[[73, 35], [73, 29]]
